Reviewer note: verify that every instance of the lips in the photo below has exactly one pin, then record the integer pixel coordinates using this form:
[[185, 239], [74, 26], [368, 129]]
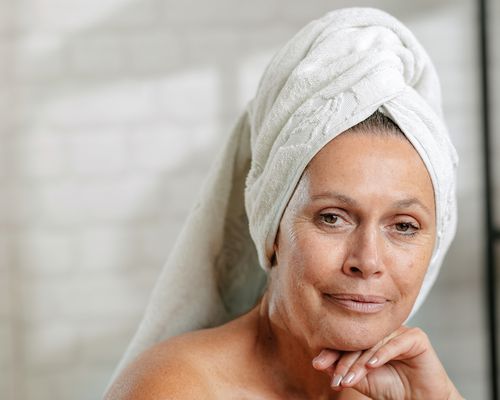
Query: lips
[[364, 304]]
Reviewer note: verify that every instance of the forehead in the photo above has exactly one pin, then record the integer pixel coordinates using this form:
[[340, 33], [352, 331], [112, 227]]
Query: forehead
[[365, 165]]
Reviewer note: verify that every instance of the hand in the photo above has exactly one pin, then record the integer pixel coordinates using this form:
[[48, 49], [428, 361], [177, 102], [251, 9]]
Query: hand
[[401, 366]]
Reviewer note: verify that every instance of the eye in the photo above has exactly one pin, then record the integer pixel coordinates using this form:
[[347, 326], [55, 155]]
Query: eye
[[407, 228], [332, 220], [329, 218]]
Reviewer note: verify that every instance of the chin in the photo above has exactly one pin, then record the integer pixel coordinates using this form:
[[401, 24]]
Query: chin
[[355, 335], [357, 344]]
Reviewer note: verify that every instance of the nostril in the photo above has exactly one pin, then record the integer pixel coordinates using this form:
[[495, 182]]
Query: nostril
[[355, 270]]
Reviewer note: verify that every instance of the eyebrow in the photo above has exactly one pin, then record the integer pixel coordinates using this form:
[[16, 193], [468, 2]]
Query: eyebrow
[[335, 195], [400, 204]]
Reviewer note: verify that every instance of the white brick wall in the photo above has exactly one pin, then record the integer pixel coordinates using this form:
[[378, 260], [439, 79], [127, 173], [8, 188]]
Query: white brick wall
[[111, 112]]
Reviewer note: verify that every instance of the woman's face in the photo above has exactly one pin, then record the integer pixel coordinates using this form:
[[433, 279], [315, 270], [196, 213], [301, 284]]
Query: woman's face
[[354, 242]]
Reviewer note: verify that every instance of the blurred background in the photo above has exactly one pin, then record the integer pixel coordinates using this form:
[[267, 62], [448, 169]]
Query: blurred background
[[111, 112]]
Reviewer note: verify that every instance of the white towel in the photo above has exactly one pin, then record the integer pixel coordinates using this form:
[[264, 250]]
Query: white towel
[[331, 75]]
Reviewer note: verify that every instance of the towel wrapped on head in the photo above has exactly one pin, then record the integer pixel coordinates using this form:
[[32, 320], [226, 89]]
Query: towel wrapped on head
[[333, 74]]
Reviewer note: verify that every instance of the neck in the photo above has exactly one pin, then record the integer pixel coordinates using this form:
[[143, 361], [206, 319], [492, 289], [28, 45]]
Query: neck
[[288, 357]]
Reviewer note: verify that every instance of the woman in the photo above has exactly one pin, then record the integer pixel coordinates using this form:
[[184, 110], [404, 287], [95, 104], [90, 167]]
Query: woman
[[339, 180]]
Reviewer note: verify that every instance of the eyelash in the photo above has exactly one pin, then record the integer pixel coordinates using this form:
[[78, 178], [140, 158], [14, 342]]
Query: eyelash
[[407, 235]]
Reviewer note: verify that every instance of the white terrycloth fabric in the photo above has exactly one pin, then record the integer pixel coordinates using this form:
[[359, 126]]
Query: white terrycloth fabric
[[331, 75]]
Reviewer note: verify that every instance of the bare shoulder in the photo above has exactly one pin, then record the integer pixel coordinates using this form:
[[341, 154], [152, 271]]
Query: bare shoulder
[[174, 369]]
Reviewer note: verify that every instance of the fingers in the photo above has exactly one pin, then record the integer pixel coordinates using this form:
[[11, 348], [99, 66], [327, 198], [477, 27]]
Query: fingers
[[399, 366], [325, 359], [351, 369], [344, 364], [348, 364], [339, 365], [346, 369], [405, 344]]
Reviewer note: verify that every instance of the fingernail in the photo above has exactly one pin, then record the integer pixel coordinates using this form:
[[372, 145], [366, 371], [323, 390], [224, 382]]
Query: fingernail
[[319, 358], [349, 377], [373, 360], [336, 380], [318, 361]]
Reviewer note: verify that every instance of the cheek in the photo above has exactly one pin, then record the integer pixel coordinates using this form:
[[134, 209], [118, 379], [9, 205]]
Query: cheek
[[316, 257], [306, 260], [410, 272]]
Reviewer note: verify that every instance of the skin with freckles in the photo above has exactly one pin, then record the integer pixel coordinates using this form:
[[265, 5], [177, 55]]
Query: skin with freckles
[[351, 253]]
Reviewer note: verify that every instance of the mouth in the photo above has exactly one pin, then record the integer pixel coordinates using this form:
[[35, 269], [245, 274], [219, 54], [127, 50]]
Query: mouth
[[363, 304]]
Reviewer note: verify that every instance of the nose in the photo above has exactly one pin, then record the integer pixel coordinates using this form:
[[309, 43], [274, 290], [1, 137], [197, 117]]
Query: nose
[[364, 254]]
